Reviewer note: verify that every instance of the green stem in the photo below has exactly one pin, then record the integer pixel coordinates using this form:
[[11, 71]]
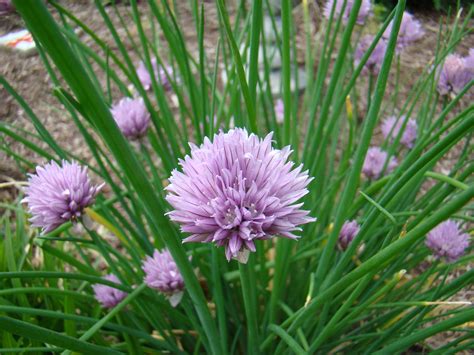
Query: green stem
[[250, 308], [96, 327]]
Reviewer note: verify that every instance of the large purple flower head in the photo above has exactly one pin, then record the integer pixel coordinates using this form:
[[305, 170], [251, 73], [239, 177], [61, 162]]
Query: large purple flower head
[[132, 117], [410, 31], [159, 72], [454, 75], [279, 111], [237, 189], [391, 128], [375, 161], [364, 11], [162, 274], [108, 296], [57, 194], [374, 63], [348, 232], [446, 240]]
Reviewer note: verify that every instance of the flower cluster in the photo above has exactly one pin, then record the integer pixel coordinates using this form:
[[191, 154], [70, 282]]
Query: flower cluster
[[162, 274], [237, 189], [446, 240], [456, 73], [161, 75], [58, 193], [374, 163], [374, 63], [410, 31], [108, 296], [338, 5], [348, 232], [132, 117], [392, 125]]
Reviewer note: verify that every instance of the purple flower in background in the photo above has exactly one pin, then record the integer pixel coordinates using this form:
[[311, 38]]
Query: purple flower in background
[[57, 194], [410, 31], [364, 10], [348, 231], [108, 296], [160, 75], [469, 61], [391, 128], [374, 63], [6, 6], [454, 75], [162, 274], [237, 189], [279, 111], [132, 117], [375, 161], [446, 240]]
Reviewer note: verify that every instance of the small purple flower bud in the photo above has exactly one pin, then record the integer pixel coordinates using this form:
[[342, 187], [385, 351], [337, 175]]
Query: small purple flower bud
[[364, 11], [391, 128], [374, 63], [446, 240], [348, 232], [162, 274], [279, 111], [454, 75], [132, 117], [57, 194], [108, 296], [237, 189], [159, 72], [375, 161], [410, 31]]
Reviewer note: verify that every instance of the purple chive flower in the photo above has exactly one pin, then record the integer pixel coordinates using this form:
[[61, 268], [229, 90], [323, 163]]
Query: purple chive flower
[[108, 296], [391, 128], [132, 117], [57, 194], [364, 11], [454, 75], [348, 232], [446, 240], [374, 63], [162, 274], [375, 161], [410, 31], [469, 61], [279, 111], [237, 189], [6, 7], [159, 72]]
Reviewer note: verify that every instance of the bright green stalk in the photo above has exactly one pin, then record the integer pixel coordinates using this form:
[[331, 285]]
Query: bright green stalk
[[288, 339], [251, 311], [286, 68], [378, 261], [40, 334], [461, 318], [86, 320], [92, 330], [252, 116], [353, 180], [43, 26], [254, 46]]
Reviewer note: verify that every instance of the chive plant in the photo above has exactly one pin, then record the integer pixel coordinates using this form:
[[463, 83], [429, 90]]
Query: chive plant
[[237, 170]]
